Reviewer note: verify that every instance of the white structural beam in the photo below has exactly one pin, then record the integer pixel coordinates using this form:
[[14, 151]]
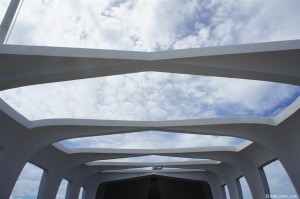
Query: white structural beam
[[28, 65]]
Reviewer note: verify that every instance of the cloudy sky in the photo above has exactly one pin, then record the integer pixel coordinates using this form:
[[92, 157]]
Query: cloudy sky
[[142, 25]]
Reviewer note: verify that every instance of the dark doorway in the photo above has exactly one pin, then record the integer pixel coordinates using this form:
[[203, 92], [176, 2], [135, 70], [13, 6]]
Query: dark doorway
[[153, 192], [154, 187]]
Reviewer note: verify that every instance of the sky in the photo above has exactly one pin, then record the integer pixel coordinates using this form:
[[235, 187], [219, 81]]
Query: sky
[[151, 140], [154, 25], [150, 158], [28, 183], [142, 25]]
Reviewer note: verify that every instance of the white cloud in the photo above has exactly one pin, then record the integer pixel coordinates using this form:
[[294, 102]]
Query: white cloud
[[3, 7], [245, 188], [250, 21], [151, 140], [28, 182], [61, 193], [149, 96], [155, 25], [150, 158], [279, 181]]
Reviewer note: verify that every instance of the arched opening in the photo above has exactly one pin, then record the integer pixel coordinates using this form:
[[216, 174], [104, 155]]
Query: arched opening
[[278, 179], [154, 187], [28, 183], [62, 190]]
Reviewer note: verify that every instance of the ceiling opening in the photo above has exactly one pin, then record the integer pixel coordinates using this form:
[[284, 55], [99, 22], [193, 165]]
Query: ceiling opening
[[151, 159], [141, 26], [151, 96], [152, 140]]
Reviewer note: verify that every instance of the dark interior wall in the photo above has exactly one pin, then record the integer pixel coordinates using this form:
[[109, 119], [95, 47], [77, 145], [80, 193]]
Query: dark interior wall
[[131, 189], [180, 189], [154, 187]]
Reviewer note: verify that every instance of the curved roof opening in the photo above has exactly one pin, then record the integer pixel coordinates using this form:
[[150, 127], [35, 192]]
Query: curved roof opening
[[144, 26], [149, 159], [151, 140], [152, 169], [151, 96]]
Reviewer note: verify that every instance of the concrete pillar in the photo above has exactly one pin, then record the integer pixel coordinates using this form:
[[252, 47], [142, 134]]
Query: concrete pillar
[[11, 164], [291, 164], [74, 189], [51, 186], [91, 188], [239, 187], [42, 185], [84, 194], [255, 183], [264, 180], [233, 189], [68, 190]]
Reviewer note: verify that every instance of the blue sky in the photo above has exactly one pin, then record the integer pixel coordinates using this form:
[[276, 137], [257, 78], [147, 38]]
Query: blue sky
[[151, 140], [150, 158], [28, 183], [151, 96], [143, 25]]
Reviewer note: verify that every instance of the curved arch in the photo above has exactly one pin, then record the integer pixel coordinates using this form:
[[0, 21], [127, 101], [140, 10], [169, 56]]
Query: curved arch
[[73, 161], [209, 177], [36, 140]]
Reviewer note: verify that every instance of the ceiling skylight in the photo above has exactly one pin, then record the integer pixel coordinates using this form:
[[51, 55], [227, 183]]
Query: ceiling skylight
[[151, 169], [151, 140], [150, 159], [151, 96], [154, 25]]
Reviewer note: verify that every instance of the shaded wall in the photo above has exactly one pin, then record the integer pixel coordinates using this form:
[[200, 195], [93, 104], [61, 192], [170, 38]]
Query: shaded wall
[[154, 187]]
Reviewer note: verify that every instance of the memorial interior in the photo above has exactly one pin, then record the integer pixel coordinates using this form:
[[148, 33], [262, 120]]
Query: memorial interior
[[212, 170]]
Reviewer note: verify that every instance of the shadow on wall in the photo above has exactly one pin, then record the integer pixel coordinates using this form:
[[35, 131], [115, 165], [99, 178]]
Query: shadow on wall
[[154, 187]]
